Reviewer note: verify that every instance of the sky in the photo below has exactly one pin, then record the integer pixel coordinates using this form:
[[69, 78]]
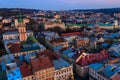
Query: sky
[[59, 4]]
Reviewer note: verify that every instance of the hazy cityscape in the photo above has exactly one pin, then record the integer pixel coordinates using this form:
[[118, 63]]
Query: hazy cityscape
[[60, 40]]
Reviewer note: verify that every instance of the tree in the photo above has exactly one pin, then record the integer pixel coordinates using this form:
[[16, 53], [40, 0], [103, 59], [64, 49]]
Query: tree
[[31, 39]]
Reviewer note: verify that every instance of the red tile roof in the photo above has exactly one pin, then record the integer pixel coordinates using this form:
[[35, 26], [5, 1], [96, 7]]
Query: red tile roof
[[50, 54], [116, 77], [14, 47], [26, 70], [87, 59], [71, 33], [57, 41], [41, 63]]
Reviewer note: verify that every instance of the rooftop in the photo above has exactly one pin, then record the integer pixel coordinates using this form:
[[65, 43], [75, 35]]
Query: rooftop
[[17, 47], [26, 70], [86, 59], [16, 32], [60, 63], [3, 75], [96, 66], [49, 53], [116, 76], [111, 35], [71, 33], [58, 40], [14, 74], [109, 71], [79, 38], [41, 63]]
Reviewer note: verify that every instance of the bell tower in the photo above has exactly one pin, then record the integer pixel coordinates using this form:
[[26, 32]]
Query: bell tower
[[21, 29]]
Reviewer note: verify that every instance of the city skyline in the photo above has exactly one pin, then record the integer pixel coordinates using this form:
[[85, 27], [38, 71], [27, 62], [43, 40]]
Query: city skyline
[[60, 4]]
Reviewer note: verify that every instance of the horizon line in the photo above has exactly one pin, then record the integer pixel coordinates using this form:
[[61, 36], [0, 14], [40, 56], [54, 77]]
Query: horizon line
[[62, 9]]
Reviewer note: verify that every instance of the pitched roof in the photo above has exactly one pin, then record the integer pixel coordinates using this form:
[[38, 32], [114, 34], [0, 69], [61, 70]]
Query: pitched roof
[[109, 71], [86, 59], [60, 63], [14, 47], [116, 76], [26, 70], [60, 40], [71, 33], [41, 63], [50, 54]]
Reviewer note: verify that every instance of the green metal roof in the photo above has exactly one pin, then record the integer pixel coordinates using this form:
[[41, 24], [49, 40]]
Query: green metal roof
[[30, 49]]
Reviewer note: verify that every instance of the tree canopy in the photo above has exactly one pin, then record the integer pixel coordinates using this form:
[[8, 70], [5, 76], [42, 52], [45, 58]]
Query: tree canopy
[[31, 39]]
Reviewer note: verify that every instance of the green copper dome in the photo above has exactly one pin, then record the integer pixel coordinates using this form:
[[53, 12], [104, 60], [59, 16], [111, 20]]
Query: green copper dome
[[20, 18]]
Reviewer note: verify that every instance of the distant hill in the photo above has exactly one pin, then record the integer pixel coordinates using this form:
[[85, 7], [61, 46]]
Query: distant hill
[[104, 10], [6, 12]]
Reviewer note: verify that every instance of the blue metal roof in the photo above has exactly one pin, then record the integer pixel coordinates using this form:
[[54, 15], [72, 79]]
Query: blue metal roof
[[60, 63], [27, 56], [92, 25], [109, 71], [114, 54], [14, 74], [3, 66], [96, 66], [102, 24], [56, 48], [67, 51], [70, 55], [21, 57], [113, 35], [105, 44]]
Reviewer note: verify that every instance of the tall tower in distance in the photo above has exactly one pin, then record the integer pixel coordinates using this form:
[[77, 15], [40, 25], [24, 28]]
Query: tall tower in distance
[[116, 24], [21, 29]]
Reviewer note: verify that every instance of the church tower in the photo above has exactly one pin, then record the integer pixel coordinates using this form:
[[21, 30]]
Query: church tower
[[21, 29], [116, 24]]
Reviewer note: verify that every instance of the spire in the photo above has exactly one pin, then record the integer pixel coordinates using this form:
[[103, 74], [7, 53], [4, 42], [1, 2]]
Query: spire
[[20, 18]]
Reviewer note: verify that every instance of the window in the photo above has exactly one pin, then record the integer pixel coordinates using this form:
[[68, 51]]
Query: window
[[56, 73], [64, 75], [47, 75], [28, 78], [42, 76]]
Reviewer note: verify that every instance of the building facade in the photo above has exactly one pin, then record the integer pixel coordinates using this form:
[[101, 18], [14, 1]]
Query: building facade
[[63, 70]]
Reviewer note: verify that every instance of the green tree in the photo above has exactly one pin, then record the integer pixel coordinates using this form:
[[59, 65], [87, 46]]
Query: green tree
[[31, 39]]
